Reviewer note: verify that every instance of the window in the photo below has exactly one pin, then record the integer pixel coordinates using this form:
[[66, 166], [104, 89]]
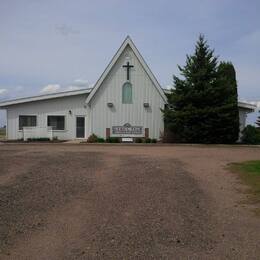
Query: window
[[27, 121], [56, 122], [127, 93]]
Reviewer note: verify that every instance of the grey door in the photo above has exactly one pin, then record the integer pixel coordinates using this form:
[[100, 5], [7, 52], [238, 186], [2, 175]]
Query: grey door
[[80, 127]]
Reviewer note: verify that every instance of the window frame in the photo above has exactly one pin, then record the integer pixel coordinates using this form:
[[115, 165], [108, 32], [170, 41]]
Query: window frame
[[65, 120], [127, 83], [28, 115]]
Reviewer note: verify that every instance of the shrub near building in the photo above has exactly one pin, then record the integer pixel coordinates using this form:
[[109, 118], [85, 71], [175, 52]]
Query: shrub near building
[[251, 135]]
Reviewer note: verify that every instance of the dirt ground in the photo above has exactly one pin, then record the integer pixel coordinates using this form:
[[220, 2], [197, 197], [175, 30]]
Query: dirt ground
[[60, 201]]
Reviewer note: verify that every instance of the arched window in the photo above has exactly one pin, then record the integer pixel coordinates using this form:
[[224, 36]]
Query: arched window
[[127, 93]]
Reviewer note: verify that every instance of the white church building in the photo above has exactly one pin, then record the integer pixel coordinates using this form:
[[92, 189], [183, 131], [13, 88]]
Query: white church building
[[125, 102]]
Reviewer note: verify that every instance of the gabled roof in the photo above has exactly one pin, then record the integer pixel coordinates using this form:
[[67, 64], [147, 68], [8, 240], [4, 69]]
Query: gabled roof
[[44, 97], [126, 42]]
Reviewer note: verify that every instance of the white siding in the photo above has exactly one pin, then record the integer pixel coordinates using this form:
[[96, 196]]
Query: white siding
[[101, 116], [57, 106], [144, 91]]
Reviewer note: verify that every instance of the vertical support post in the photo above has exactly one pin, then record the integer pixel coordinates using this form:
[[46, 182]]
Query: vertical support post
[[146, 132], [107, 132]]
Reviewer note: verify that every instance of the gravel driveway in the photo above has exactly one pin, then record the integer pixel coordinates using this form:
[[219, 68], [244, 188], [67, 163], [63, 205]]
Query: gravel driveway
[[60, 201]]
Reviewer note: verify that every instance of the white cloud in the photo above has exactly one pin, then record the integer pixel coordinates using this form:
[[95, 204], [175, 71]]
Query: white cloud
[[70, 88], [80, 82], [168, 87], [3, 91], [51, 88], [75, 85]]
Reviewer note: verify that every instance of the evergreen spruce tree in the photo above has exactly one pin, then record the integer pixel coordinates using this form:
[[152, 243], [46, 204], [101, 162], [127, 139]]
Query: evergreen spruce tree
[[203, 103], [228, 83]]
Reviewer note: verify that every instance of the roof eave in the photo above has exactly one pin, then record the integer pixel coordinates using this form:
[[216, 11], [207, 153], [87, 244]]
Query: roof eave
[[5, 104], [247, 106]]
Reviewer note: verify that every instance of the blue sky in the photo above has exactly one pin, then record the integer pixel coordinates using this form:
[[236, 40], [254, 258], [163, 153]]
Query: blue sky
[[54, 45]]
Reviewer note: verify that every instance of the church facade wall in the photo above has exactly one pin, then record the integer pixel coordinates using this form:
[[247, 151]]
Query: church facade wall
[[100, 118], [136, 114]]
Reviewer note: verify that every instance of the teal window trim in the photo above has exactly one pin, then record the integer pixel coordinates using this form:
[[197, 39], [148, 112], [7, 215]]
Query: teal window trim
[[127, 93]]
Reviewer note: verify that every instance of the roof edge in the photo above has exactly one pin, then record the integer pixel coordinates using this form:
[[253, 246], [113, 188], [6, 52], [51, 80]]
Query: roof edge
[[44, 97], [248, 106]]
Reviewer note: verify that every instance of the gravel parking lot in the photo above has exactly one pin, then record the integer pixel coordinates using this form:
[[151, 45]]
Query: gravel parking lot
[[63, 201]]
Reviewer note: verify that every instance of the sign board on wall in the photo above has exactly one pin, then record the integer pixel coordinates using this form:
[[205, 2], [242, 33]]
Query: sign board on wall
[[127, 129], [127, 139]]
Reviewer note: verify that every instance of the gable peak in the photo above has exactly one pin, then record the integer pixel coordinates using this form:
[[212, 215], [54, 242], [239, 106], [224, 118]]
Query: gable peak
[[126, 42]]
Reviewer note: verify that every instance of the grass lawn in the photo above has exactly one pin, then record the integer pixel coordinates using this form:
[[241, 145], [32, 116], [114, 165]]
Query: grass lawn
[[249, 173]]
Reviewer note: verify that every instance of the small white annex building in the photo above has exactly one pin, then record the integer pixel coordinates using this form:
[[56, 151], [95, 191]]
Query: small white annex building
[[126, 101]]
